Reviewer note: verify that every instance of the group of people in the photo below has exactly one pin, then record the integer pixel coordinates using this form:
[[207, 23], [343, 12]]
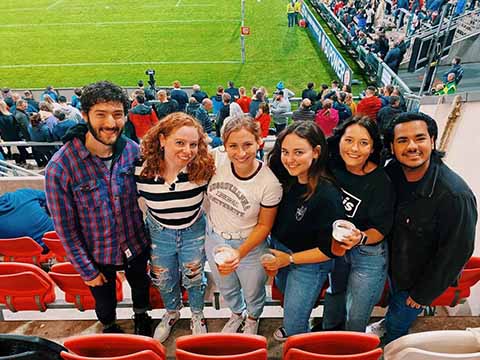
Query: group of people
[[199, 200]]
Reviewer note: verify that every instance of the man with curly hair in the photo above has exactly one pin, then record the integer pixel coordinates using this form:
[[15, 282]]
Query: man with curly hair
[[91, 195]]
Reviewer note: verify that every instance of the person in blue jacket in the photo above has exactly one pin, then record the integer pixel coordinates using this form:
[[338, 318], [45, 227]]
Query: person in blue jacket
[[21, 207]]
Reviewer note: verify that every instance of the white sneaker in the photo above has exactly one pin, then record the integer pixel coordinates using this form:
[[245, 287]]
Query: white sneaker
[[251, 326], [234, 323], [377, 328], [198, 324], [162, 331]]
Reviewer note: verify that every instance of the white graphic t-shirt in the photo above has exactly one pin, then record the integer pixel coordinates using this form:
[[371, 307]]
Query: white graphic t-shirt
[[233, 203]]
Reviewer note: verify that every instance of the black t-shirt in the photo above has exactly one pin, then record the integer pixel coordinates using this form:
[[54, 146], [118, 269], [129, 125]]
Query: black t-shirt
[[302, 225], [368, 200]]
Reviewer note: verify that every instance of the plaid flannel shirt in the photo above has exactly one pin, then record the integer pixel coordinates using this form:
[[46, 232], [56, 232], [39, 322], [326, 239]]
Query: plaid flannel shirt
[[94, 209]]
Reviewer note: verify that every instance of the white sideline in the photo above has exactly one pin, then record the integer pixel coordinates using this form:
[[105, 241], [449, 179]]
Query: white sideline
[[122, 23], [51, 6], [120, 64], [75, 8]]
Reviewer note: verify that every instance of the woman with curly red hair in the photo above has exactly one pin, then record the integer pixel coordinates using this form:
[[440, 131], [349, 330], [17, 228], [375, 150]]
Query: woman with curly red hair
[[172, 180]]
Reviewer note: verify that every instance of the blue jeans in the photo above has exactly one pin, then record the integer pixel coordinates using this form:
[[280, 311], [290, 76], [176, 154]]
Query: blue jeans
[[301, 286], [178, 253], [357, 283], [244, 288], [399, 316], [291, 19]]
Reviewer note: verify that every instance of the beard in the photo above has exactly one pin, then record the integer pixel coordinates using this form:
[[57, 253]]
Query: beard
[[108, 141]]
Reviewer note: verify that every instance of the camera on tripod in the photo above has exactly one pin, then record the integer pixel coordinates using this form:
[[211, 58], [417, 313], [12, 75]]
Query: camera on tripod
[[150, 93]]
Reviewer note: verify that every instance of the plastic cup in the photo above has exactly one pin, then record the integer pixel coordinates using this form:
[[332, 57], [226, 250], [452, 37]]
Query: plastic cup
[[342, 229], [223, 253], [268, 258]]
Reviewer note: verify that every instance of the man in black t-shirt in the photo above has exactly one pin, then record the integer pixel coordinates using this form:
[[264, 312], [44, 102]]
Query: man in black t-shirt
[[433, 234]]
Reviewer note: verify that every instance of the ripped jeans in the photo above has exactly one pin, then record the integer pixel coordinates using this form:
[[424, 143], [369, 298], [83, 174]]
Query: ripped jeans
[[178, 253]]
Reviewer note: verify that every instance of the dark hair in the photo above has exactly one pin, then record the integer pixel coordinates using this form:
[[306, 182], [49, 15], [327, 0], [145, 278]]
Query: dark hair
[[310, 85], [348, 88], [78, 91], [140, 99], [59, 114], [62, 99], [318, 171], [102, 92], [339, 131], [408, 117], [342, 96]]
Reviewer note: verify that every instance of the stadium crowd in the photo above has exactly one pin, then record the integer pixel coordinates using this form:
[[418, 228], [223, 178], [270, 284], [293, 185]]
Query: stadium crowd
[[250, 218]]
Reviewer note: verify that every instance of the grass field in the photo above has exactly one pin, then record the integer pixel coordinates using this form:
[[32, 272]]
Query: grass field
[[69, 43]]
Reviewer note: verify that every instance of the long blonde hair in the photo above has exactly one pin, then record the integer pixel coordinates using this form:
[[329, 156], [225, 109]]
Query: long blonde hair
[[202, 166]]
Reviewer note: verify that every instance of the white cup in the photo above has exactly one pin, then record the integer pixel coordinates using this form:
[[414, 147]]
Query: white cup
[[223, 253], [267, 257], [342, 229]]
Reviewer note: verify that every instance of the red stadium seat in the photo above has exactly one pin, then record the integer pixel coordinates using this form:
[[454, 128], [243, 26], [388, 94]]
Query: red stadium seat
[[216, 346], [113, 346], [454, 294], [25, 287], [76, 292], [333, 345], [141, 355], [53, 243], [23, 249]]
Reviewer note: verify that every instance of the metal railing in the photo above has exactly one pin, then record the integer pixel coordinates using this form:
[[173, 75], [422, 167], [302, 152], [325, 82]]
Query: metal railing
[[8, 169]]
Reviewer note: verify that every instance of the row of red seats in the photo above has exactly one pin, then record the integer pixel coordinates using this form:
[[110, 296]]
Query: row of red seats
[[27, 287], [212, 346]]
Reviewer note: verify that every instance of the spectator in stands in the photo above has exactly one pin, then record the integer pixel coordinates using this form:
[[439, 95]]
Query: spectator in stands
[[361, 20], [165, 105], [370, 16], [264, 119], [172, 181], [46, 113], [257, 99], [21, 119], [244, 100], [402, 7], [327, 118], [304, 112], [350, 103], [203, 118], [40, 132], [69, 111], [22, 207], [234, 113], [387, 114], [380, 44], [370, 104], [9, 132], [243, 224], [179, 95], [344, 111], [192, 106], [456, 69], [75, 101], [232, 91], [280, 110], [287, 94], [324, 90], [385, 93], [13, 105], [223, 113], [428, 246], [32, 103], [62, 125], [142, 117], [450, 87], [91, 195], [394, 57], [51, 92], [309, 92], [198, 94], [397, 92], [368, 199], [217, 101], [135, 93], [302, 233]]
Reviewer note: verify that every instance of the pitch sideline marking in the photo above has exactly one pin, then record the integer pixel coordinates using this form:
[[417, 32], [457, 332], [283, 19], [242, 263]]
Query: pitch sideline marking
[[51, 6], [120, 64], [120, 23]]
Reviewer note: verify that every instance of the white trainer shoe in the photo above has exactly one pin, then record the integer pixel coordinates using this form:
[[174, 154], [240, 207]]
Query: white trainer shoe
[[251, 326], [162, 331], [234, 323], [198, 324], [377, 328]]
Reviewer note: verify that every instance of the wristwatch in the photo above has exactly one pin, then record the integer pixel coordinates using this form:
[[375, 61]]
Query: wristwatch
[[364, 239], [291, 259]]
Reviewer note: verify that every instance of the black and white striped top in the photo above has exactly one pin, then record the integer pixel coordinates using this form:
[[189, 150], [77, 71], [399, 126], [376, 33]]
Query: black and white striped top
[[177, 205]]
